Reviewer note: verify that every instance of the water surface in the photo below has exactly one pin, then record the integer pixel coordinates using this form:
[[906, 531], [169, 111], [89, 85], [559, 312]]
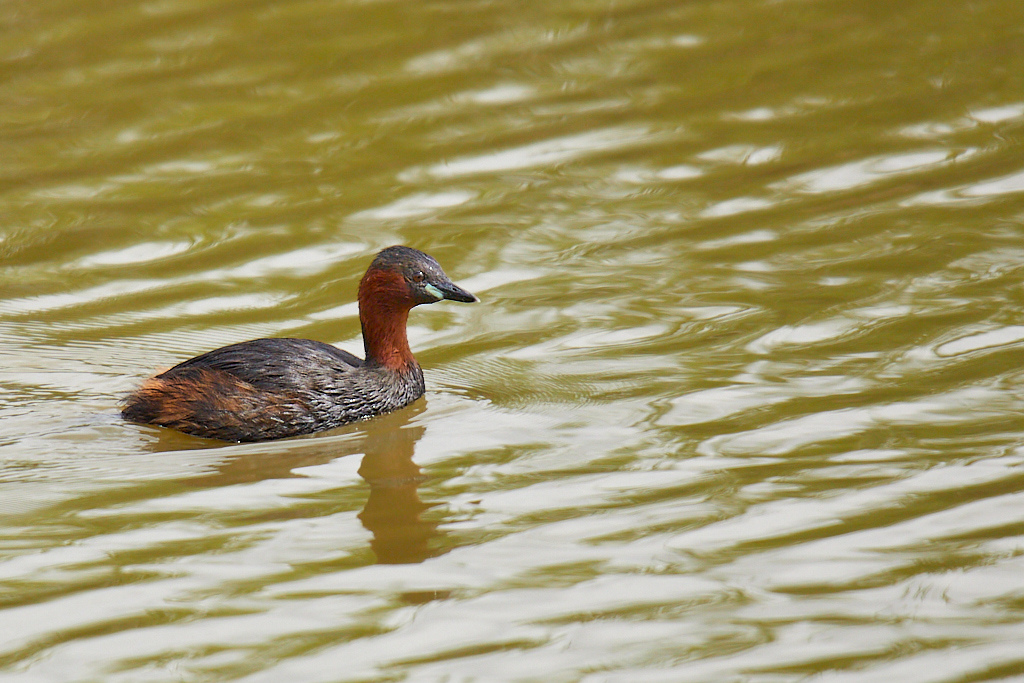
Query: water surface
[[741, 401]]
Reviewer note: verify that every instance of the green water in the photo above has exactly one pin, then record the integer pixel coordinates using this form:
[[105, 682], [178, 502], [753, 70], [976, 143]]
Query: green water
[[741, 401]]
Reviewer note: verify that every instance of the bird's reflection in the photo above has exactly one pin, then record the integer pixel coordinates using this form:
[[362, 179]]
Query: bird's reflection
[[393, 511]]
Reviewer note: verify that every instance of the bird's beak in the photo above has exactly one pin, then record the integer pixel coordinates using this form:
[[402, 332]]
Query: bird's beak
[[449, 290]]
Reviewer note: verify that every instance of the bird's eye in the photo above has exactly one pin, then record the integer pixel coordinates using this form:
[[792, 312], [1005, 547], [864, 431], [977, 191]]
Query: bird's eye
[[418, 276]]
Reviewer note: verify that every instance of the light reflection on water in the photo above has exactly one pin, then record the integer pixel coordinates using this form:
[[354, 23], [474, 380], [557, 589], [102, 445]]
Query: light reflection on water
[[741, 400]]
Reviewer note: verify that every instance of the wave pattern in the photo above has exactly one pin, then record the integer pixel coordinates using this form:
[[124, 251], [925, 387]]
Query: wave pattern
[[741, 401]]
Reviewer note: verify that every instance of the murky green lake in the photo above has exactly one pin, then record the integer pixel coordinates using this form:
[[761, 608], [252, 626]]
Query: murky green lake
[[741, 402]]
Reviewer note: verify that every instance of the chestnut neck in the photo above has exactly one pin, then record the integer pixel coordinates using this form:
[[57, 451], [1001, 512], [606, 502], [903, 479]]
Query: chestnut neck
[[384, 305]]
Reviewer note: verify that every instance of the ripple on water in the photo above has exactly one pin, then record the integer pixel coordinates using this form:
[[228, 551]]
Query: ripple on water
[[415, 205], [982, 191], [867, 171], [540, 154]]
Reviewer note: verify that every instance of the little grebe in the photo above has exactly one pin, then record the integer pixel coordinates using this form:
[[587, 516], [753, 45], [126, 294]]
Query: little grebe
[[273, 388]]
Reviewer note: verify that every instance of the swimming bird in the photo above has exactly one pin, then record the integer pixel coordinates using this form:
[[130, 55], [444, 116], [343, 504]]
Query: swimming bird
[[279, 387]]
